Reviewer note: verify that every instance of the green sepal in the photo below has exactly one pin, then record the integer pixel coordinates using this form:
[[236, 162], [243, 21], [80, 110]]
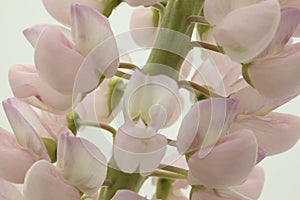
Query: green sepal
[[245, 73], [72, 119], [163, 188], [51, 147], [115, 94]]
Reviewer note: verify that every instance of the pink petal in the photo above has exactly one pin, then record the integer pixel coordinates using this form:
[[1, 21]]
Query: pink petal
[[56, 60], [142, 26], [81, 163], [138, 148], [227, 164], [218, 72], [205, 123], [26, 84], [15, 159], [8, 191], [39, 125], [17, 114], [253, 186], [282, 71], [216, 10], [60, 10], [142, 2], [44, 181], [289, 21], [89, 28], [151, 99], [33, 33], [127, 195], [275, 132], [103, 60], [244, 41], [261, 106]]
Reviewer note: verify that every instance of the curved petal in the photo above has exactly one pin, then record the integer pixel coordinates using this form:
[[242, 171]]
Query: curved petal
[[17, 160], [151, 99], [8, 191], [142, 23], [244, 41], [56, 60], [205, 123], [33, 33], [44, 181], [38, 125], [253, 186], [227, 164], [282, 71], [24, 130], [138, 149], [60, 10], [275, 132], [89, 28], [26, 84], [81, 162], [216, 10], [142, 2], [126, 195], [261, 106], [289, 21]]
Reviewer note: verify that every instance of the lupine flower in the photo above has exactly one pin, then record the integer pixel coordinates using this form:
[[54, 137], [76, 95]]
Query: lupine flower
[[80, 167], [275, 132], [243, 41], [151, 99], [227, 164], [139, 148], [282, 70], [60, 10], [142, 25], [250, 189], [219, 73], [205, 123]]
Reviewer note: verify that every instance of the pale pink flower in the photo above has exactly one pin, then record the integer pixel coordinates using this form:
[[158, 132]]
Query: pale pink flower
[[282, 71], [205, 123], [138, 148], [60, 10], [80, 167], [243, 41], [219, 73], [152, 99], [227, 164], [56, 51], [142, 23], [250, 189], [16, 160], [275, 132]]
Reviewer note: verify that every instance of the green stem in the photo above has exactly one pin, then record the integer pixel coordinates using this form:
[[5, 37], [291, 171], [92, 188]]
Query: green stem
[[198, 19], [174, 169], [173, 39], [109, 6], [167, 175], [163, 188], [120, 180], [206, 46], [98, 125]]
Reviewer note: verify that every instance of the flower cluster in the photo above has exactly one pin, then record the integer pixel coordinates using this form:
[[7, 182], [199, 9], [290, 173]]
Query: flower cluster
[[216, 118]]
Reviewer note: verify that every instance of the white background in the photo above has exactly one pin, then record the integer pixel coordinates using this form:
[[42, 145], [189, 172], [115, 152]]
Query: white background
[[282, 171]]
